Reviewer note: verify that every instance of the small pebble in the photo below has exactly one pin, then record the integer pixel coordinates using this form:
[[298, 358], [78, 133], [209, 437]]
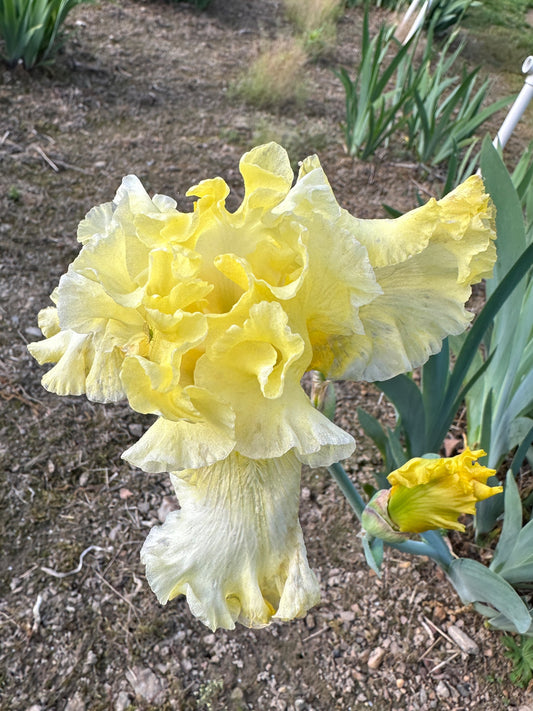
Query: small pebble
[[145, 684], [122, 701], [310, 622], [36, 333], [75, 703], [347, 616], [462, 640], [375, 658], [442, 690]]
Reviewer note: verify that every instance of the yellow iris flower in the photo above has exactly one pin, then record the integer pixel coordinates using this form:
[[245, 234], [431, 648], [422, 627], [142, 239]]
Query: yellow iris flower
[[209, 319], [428, 494]]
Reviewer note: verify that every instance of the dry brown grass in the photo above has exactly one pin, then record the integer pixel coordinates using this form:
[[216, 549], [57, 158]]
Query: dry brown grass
[[275, 77], [315, 21]]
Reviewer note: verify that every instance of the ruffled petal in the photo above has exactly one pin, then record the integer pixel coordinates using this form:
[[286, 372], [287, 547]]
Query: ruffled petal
[[72, 354], [432, 493], [199, 441], [339, 279], [98, 221], [267, 175], [425, 263], [257, 369], [235, 548]]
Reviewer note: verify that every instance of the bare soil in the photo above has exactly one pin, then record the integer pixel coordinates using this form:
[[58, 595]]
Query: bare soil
[[146, 89]]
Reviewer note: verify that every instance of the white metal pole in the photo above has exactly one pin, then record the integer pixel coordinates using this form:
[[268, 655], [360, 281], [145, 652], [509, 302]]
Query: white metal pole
[[410, 10], [519, 106], [418, 20]]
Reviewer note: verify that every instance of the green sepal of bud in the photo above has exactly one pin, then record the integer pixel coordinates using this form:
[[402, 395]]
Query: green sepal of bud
[[323, 395], [376, 522]]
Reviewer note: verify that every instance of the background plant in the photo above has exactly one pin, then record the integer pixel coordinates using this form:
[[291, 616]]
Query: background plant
[[275, 77], [426, 411], [444, 14], [437, 109], [444, 109], [200, 4], [373, 110], [499, 406], [521, 654], [392, 4], [315, 22], [30, 29]]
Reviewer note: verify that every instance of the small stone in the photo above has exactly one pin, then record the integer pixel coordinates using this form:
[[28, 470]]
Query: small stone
[[442, 690], [400, 683], [299, 704], [210, 639], [84, 478], [439, 613], [462, 640], [122, 701], [347, 616], [75, 703], [168, 504], [145, 684], [136, 430], [237, 694], [36, 333], [375, 658], [310, 622]]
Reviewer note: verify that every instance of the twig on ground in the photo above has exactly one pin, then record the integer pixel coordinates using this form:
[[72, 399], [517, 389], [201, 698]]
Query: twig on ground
[[443, 663], [316, 634], [125, 599], [80, 564], [45, 157]]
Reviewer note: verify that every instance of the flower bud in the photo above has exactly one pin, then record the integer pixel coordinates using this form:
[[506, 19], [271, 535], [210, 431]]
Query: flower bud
[[376, 522]]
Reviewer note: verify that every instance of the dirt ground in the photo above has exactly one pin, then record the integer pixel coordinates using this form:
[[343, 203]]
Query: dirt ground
[[146, 89]]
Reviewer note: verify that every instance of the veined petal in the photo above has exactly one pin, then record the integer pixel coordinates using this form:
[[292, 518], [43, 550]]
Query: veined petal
[[339, 279], [85, 307], [257, 369], [267, 176], [268, 428], [201, 440], [235, 548], [72, 354], [425, 263], [98, 221], [103, 382], [103, 260]]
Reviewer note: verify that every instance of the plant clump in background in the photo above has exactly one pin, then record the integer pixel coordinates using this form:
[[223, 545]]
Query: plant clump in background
[[276, 77]]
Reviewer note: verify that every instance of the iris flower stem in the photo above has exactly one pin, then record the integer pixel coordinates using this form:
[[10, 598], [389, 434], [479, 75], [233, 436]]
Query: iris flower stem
[[348, 489], [432, 544], [441, 551]]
